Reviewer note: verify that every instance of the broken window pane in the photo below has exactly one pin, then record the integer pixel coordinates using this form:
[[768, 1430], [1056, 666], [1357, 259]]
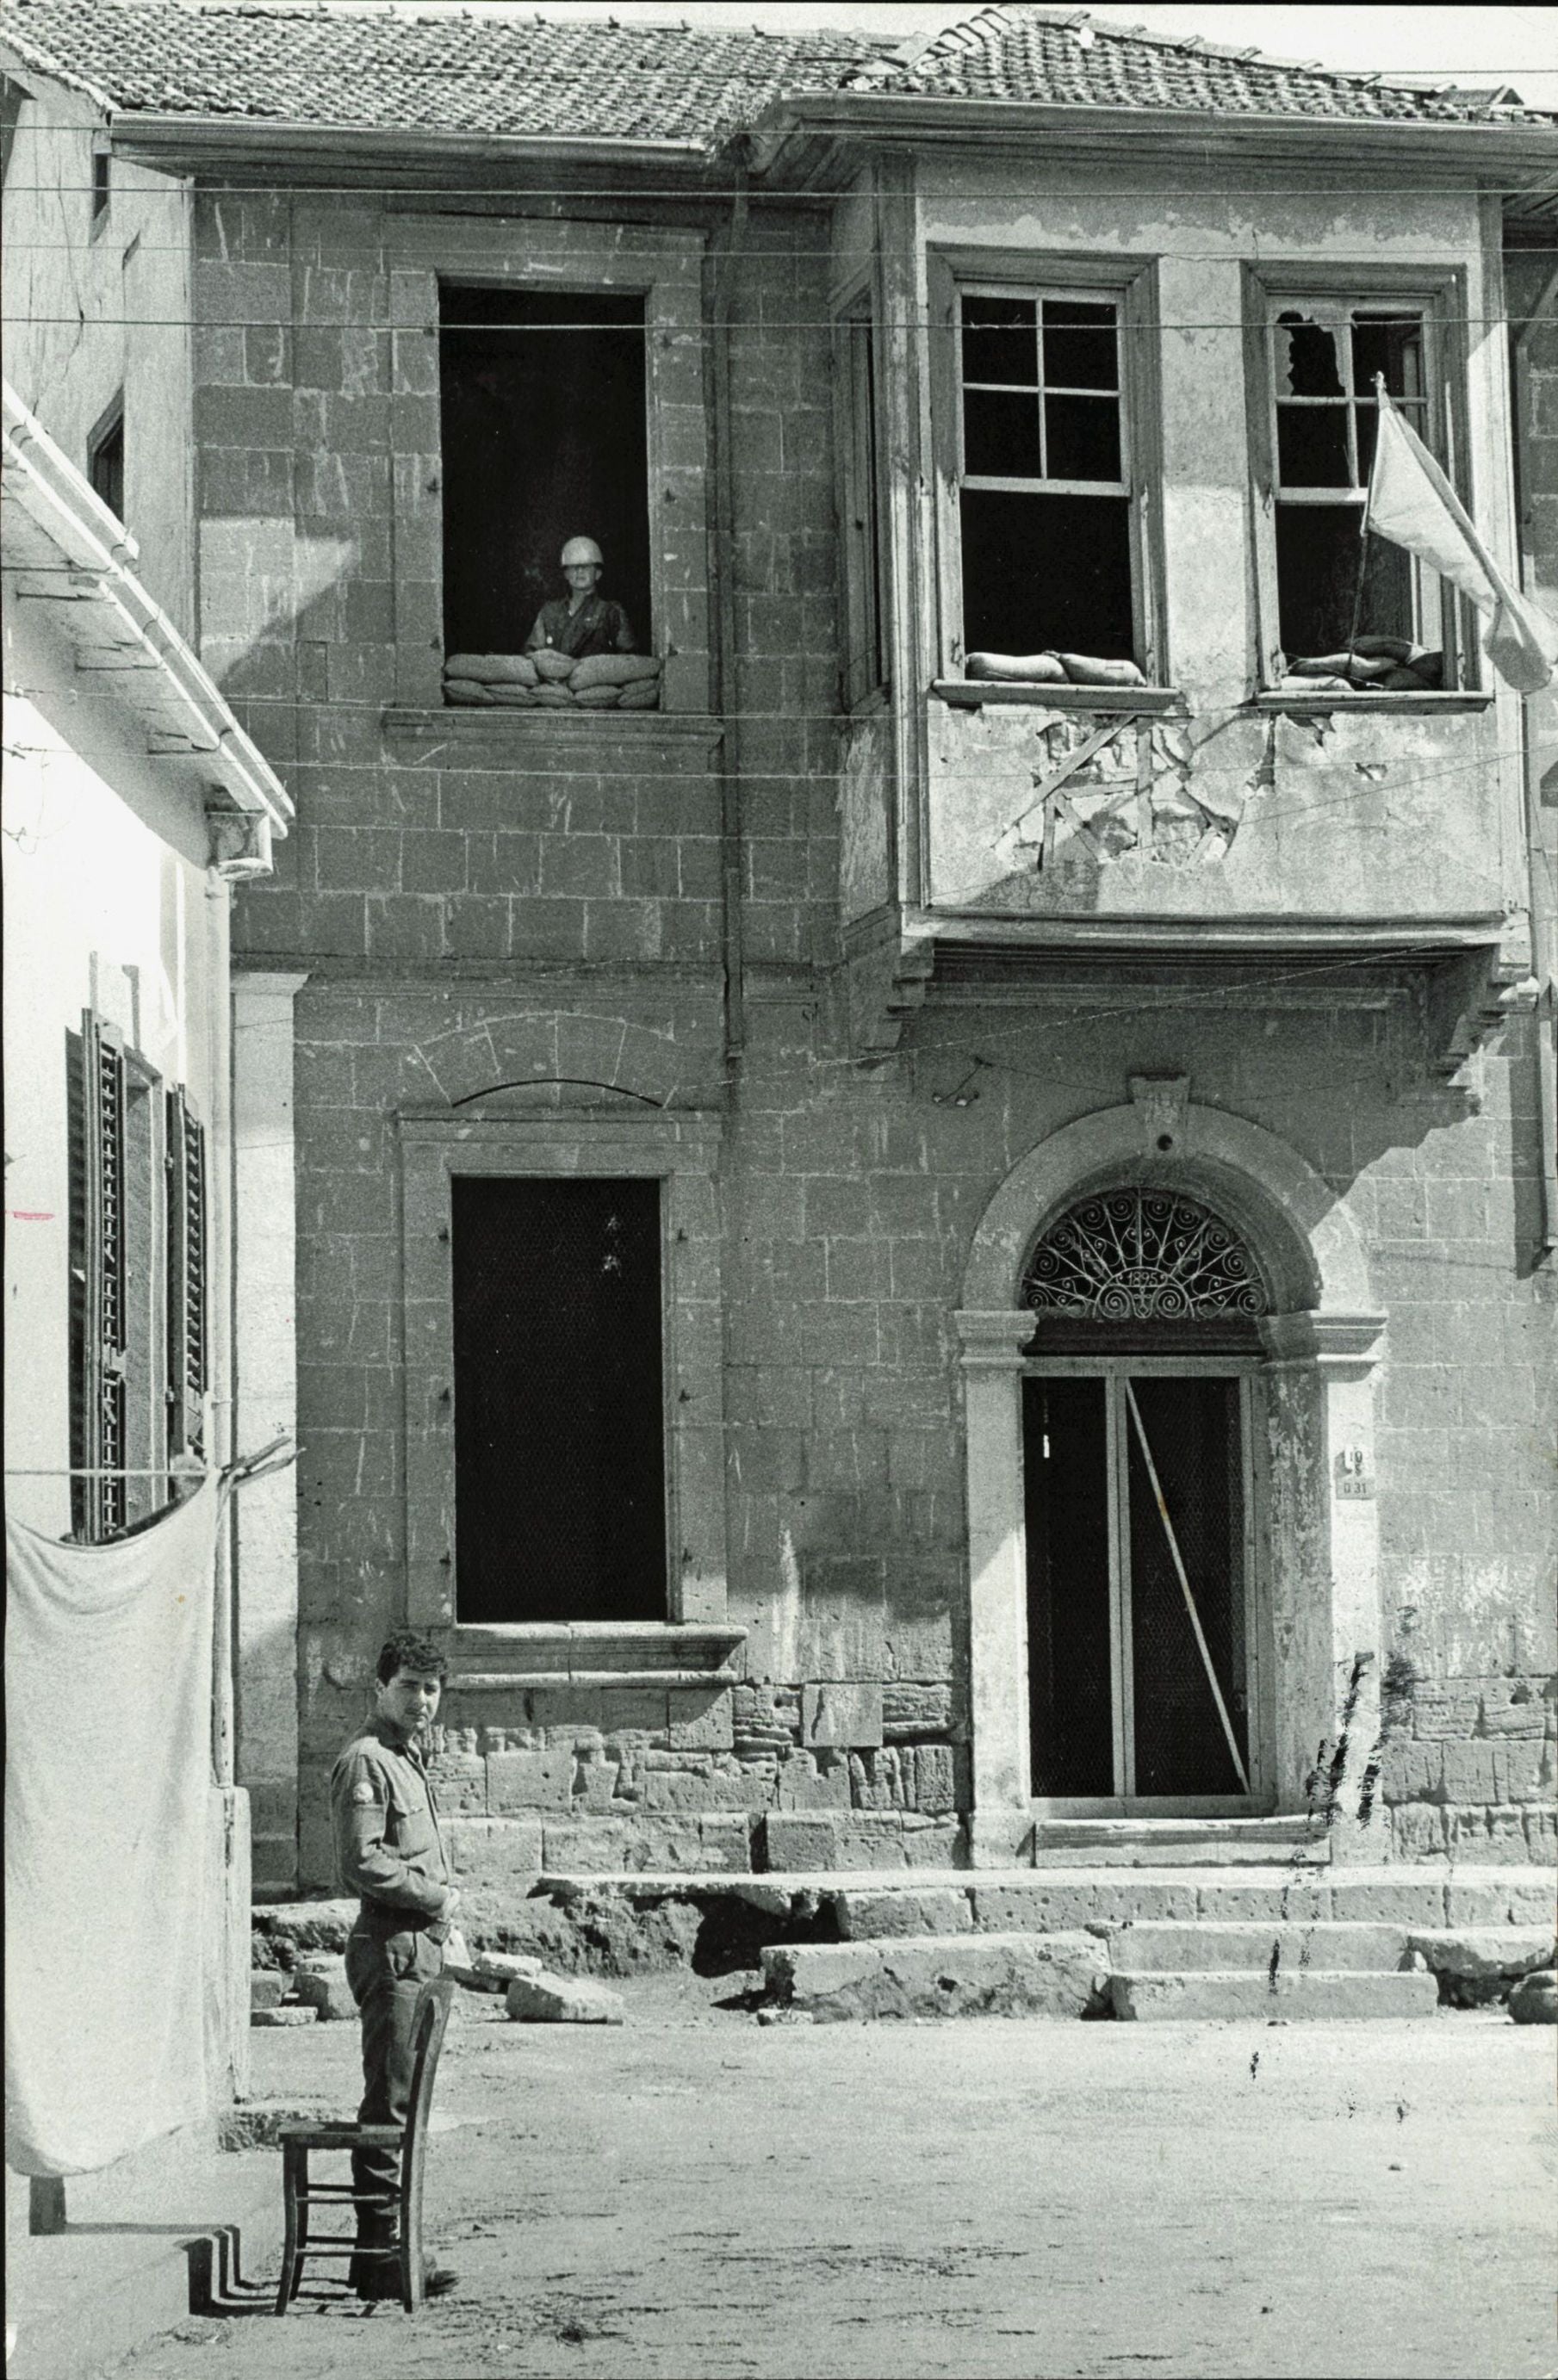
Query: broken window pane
[[1319, 554], [544, 438], [1001, 433], [1312, 446], [1046, 572], [1307, 362], [999, 342], [1082, 436], [1081, 344]]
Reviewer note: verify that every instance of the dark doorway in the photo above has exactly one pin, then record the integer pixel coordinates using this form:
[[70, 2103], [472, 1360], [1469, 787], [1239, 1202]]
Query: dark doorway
[[544, 430], [1129, 1703], [559, 1428], [1070, 1657]]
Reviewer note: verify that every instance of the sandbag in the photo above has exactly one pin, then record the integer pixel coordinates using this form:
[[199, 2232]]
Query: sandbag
[[554, 667], [556, 697], [515, 697], [1022, 669], [1086, 669], [1361, 669], [493, 669], [466, 689], [1291, 684], [645, 695], [596, 698], [613, 669]]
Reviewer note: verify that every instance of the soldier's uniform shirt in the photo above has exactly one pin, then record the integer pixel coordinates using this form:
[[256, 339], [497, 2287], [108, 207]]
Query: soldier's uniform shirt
[[598, 626], [390, 1852], [388, 1848]]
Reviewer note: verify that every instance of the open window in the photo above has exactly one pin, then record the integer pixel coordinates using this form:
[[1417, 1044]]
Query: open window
[[864, 670], [544, 432], [106, 458], [1338, 593], [1044, 473]]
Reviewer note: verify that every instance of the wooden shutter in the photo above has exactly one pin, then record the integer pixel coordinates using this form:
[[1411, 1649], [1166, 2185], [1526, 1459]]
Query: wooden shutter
[[97, 1276], [187, 1359]]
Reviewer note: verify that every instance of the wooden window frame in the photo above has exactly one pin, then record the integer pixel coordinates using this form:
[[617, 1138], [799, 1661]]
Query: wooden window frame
[[680, 1149], [1131, 285], [1440, 295], [865, 672]]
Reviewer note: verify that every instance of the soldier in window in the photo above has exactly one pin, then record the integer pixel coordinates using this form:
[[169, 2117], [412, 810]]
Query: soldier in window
[[582, 622]]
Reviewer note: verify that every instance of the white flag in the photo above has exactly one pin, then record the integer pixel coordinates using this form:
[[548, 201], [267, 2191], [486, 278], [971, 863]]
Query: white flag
[[1412, 503]]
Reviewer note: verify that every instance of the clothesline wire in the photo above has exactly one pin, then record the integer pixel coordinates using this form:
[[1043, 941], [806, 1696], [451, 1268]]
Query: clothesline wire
[[700, 334]]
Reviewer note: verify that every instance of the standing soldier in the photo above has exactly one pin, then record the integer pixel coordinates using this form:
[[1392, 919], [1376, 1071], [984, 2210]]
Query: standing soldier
[[389, 1851], [581, 623]]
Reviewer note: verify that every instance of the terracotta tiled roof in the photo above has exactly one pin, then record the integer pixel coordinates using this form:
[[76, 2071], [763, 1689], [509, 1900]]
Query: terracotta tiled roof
[[1063, 57], [394, 68], [441, 71]]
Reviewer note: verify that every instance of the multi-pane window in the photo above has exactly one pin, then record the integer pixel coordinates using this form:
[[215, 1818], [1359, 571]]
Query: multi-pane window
[[138, 1283], [1333, 584], [1045, 473]]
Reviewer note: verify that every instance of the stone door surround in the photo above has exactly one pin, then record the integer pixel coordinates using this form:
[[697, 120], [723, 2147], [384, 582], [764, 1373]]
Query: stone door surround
[[1321, 1343]]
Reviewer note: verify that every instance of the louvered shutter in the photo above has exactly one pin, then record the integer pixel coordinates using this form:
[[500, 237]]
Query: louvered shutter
[[187, 1349], [97, 1277]]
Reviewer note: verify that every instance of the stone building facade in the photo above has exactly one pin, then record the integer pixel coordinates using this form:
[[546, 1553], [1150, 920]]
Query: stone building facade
[[899, 988]]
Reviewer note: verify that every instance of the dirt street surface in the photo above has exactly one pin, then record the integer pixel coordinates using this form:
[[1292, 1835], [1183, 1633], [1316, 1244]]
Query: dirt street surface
[[693, 2196]]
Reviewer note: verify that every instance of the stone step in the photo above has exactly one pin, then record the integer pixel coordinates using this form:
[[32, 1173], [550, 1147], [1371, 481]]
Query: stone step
[[961, 1975], [1325, 1948], [1152, 1842], [1298, 1992]]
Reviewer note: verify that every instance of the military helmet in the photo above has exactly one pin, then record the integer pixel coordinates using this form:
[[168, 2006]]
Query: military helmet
[[580, 549]]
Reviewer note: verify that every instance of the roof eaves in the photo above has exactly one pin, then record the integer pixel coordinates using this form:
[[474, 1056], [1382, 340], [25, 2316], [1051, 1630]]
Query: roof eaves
[[177, 133], [34, 60], [1474, 143], [94, 548]]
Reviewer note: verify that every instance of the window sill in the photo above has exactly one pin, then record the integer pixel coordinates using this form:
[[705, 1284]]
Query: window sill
[[1429, 702], [972, 694], [597, 1653], [502, 726]]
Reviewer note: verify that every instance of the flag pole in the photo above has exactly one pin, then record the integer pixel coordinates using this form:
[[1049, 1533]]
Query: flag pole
[[1363, 537]]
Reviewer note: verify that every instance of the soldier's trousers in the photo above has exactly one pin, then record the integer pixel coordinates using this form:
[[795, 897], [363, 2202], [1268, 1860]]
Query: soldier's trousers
[[386, 1974]]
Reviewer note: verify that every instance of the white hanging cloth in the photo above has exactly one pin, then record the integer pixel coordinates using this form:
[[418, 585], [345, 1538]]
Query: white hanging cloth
[[108, 1674]]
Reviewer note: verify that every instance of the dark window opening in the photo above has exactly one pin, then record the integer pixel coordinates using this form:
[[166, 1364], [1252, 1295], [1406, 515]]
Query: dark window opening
[[1331, 583], [559, 1426], [1046, 489], [105, 464], [545, 438], [101, 170]]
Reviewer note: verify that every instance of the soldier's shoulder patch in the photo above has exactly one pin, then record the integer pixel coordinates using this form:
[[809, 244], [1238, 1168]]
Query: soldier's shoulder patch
[[363, 1792]]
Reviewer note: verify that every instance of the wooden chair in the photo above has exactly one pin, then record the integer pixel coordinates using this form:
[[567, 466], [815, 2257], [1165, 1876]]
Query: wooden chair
[[301, 2243]]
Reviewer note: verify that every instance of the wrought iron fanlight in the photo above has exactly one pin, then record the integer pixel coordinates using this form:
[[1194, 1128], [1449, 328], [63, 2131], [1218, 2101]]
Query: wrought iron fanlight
[[1142, 1256]]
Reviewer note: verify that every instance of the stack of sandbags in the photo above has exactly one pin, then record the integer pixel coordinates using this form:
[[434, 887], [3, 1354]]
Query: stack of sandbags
[[1050, 669], [1370, 665], [553, 680]]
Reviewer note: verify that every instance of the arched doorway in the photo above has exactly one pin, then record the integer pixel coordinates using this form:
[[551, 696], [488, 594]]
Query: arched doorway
[[1145, 1623], [1226, 1299]]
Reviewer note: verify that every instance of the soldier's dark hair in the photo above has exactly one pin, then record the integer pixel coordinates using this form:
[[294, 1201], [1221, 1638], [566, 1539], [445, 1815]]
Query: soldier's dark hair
[[407, 1650]]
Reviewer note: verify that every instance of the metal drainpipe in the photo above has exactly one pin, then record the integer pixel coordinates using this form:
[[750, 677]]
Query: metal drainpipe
[[724, 655], [1544, 908]]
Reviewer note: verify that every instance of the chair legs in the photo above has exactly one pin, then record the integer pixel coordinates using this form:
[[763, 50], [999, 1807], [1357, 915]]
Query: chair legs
[[294, 2176]]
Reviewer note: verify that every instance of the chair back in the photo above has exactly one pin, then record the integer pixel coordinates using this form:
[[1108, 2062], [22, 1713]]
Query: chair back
[[428, 2029]]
